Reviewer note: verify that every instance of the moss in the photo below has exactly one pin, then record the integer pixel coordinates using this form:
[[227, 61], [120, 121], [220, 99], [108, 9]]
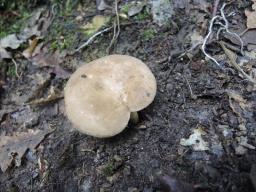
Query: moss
[[142, 15], [108, 169], [14, 23], [125, 8], [11, 71], [148, 34]]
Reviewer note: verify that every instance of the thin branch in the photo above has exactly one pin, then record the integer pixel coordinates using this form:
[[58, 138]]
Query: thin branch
[[116, 28], [227, 28], [16, 68], [206, 39], [233, 62], [91, 39]]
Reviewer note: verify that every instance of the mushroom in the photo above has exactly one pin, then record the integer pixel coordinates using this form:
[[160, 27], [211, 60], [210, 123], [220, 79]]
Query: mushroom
[[101, 95]]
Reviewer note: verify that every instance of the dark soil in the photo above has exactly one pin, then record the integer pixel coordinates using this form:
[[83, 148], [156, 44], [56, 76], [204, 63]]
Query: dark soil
[[135, 159]]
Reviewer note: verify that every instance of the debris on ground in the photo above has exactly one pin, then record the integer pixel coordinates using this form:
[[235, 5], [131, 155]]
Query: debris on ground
[[196, 141], [102, 5], [162, 11], [169, 184], [12, 148], [202, 121], [251, 16], [135, 8], [97, 22]]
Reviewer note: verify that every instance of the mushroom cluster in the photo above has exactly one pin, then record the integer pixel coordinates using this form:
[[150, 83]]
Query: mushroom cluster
[[100, 95]]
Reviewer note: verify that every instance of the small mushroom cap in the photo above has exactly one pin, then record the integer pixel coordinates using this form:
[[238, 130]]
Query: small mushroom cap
[[100, 95], [93, 109]]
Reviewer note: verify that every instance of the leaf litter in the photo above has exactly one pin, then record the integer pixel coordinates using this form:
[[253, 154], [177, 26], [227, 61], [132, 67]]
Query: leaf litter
[[236, 103], [251, 16], [14, 147], [37, 26]]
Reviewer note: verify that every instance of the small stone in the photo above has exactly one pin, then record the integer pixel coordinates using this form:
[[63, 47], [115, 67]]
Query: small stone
[[79, 18], [117, 158], [142, 127], [162, 11], [240, 150]]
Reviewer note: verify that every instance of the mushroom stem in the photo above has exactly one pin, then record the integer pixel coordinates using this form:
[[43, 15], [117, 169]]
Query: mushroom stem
[[134, 118]]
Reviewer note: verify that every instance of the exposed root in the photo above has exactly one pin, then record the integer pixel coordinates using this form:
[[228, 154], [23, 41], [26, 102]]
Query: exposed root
[[16, 69], [206, 39], [232, 57], [217, 20], [91, 39]]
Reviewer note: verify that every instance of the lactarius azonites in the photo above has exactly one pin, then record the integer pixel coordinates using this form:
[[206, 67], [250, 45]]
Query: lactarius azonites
[[100, 95]]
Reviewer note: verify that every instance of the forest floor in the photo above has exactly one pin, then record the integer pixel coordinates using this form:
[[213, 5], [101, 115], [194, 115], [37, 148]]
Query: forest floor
[[199, 134]]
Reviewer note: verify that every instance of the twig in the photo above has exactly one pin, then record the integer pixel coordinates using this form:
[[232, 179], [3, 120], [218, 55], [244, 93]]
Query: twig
[[116, 28], [206, 39], [245, 31], [227, 27], [232, 58], [16, 68], [91, 39], [193, 96]]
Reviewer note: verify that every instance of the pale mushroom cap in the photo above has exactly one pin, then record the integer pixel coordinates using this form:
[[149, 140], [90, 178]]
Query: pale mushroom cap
[[100, 95], [93, 110]]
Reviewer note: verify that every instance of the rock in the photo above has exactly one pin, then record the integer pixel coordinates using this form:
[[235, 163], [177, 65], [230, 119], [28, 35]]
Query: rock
[[162, 11], [86, 186]]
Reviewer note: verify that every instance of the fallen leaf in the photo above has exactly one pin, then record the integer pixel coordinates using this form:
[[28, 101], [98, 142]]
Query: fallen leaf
[[32, 45], [10, 41], [251, 16], [196, 38], [42, 57], [233, 96], [196, 141], [38, 24], [16, 145], [97, 22], [60, 72]]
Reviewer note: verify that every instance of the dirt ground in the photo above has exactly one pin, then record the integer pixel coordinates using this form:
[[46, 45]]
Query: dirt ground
[[193, 93]]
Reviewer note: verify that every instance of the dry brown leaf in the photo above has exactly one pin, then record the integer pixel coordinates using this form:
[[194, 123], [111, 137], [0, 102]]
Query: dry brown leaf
[[38, 25], [14, 147], [196, 38], [237, 102], [42, 57], [32, 45], [251, 16]]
